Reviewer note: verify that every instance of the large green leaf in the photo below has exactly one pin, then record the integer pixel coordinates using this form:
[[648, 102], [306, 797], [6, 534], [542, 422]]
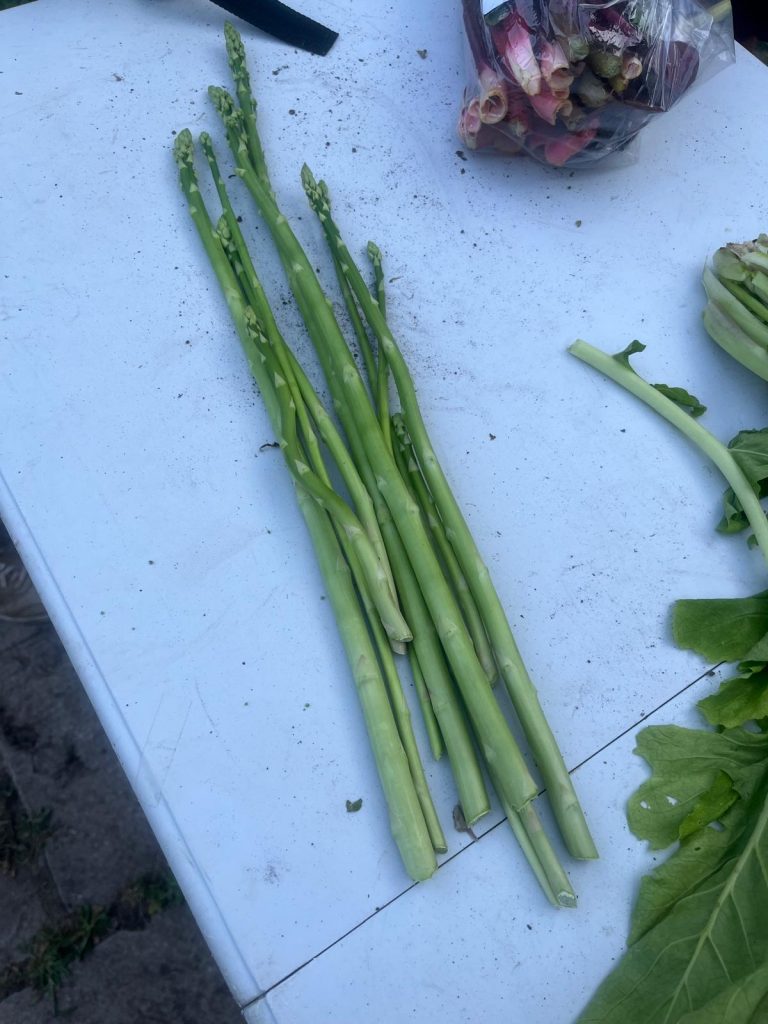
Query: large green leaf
[[710, 807], [743, 1002], [744, 698], [699, 941], [723, 629], [686, 764]]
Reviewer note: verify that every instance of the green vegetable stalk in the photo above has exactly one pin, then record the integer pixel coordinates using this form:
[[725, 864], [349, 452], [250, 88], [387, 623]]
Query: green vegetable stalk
[[560, 789], [344, 379], [698, 946], [395, 538], [405, 813], [679, 408], [736, 315]]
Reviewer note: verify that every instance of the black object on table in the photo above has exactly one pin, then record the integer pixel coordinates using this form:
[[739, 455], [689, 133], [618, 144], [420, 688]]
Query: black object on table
[[282, 22]]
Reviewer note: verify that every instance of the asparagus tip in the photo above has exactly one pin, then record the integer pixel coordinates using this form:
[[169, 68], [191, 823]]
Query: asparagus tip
[[308, 179], [222, 100], [184, 147], [232, 36]]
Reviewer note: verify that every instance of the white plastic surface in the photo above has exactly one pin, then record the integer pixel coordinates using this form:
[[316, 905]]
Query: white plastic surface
[[165, 541]]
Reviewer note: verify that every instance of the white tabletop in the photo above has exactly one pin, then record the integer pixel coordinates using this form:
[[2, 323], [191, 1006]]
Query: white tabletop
[[166, 543]]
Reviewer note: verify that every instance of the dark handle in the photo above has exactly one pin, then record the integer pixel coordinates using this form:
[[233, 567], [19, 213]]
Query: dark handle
[[282, 22]]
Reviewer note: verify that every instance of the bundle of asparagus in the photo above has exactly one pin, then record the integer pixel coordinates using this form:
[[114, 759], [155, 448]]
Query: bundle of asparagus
[[569, 82], [399, 563]]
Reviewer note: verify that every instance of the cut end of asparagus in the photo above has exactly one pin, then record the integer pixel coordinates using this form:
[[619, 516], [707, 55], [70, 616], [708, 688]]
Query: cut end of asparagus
[[567, 899]]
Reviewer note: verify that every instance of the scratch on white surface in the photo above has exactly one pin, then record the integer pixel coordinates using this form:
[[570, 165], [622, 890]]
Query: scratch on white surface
[[206, 712], [156, 757], [175, 746], [212, 722]]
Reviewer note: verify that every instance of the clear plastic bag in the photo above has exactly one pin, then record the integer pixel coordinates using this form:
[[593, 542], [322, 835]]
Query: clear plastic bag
[[568, 82]]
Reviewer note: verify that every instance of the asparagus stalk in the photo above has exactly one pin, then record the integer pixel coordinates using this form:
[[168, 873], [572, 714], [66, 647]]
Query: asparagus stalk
[[565, 804], [421, 492], [382, 370], [427, 711], [256, 296], [399, 704], [405, 814], [375, 578], [538, 851], [324, 331], [405, 727], [353, 404], [239, 67]]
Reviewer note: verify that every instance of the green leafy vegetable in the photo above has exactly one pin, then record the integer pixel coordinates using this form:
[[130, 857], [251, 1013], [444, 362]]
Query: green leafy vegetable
[[698, 946], [723, 629], [750, 450], [744, 698], [619, 368]]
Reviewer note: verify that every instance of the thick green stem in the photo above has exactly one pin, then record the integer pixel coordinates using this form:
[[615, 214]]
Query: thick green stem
[[404, 724], [409, 467], [239, 68], [734, 341], [382, 370], [565, 804], [292, 370], [498, 742], [406, 818], [427, 711], [376, 581], [622, 373], [721, 297], [496, 736], [553, 870]]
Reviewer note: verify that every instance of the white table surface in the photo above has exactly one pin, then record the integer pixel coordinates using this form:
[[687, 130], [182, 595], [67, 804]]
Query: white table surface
[[166, 544]]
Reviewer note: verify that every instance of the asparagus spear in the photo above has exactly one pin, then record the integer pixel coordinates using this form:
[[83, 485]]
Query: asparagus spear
[[382, 371], [565, 804], [256, 296], [399, 704], [515, 779], [405, 814], [451, 562], [351, 403], [427, 711]]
